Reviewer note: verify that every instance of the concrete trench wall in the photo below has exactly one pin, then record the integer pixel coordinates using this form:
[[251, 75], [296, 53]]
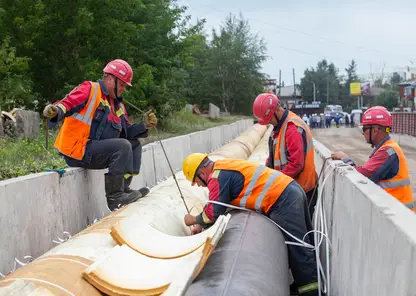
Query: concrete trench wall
[[38, 208], [373, 235]]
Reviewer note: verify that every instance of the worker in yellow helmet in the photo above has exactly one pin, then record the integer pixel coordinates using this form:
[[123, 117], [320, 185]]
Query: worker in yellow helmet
[[249, 185]]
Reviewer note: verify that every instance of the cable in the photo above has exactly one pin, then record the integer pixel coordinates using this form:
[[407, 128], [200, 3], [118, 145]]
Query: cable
[[320, 232], [326, 39], [166, 156]]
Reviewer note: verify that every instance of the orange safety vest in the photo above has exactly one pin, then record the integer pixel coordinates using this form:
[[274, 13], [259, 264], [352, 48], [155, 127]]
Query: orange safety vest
[[307, 177], [398, 186], [75, 130], [262, 185]]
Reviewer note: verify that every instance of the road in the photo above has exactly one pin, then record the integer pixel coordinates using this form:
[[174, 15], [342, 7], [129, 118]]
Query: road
[[351, 141]]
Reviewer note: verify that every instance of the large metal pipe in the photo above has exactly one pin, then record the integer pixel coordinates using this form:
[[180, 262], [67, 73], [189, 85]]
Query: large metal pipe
[[250, 259]]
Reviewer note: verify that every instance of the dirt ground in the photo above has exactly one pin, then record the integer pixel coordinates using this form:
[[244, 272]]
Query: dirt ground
[[351, 141]]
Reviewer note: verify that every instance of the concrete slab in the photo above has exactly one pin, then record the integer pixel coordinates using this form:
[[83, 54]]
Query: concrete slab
[[177, 149], [27, 124], [216, 137], [227, 135], [147, 175], [188, 107], [214, 111], [372, 234], [200, 142]]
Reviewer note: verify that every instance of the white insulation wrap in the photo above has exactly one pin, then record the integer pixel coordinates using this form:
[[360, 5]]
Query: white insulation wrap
[[163, 209]]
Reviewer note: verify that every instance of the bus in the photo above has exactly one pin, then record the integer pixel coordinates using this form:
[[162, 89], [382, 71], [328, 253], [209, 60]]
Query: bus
[[333, 109]]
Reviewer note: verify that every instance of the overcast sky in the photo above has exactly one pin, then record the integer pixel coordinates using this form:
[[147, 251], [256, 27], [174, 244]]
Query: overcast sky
[[299, 33]]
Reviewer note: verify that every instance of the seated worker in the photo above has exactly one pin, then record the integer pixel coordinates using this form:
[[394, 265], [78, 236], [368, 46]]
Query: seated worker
[[290, 144], [248, 185], [387, 166], [96, 132]]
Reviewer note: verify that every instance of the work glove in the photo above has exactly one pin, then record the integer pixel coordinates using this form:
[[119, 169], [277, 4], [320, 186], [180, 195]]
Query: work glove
[[50, 111], [150, 119]]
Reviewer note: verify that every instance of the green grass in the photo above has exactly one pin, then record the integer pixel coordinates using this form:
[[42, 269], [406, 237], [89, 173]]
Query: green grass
[[22, 157]]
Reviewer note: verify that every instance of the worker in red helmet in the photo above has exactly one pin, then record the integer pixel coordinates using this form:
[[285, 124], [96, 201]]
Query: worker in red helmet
[[96, 132], [290, 144], [387, 166]]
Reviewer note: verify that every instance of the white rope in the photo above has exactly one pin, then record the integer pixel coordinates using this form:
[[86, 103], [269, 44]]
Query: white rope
[[319, 229], [40, 281]]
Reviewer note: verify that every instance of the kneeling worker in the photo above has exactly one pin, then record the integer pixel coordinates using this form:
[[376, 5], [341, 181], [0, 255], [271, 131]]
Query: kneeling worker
[[96, 133], [248, 185], [387, 166]]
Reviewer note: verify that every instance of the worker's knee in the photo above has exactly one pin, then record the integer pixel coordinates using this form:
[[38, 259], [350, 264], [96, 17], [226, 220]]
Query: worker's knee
[[124, 145]]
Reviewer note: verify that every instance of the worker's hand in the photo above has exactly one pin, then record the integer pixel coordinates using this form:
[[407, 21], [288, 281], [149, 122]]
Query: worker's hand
[[150, 119], [339, 155], [189, 220], [196, 229], [50, 111]]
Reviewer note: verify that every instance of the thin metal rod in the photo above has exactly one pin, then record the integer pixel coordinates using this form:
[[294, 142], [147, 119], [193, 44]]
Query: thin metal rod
[[166, 156]]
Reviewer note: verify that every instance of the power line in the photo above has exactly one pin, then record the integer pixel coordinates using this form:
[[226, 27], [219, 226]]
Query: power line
[[316, 36]]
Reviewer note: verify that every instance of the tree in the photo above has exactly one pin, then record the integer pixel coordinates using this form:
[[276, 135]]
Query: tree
[[388, 99], [352, 72], [15, 88], [229, 73], [325, 78], [395, 80]]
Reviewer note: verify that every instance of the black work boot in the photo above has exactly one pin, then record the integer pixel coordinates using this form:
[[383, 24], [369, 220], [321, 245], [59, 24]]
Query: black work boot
[[116, 197], [143, 191]]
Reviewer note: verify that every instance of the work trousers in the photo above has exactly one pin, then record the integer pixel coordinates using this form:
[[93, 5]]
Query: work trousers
[[291, 212], [311, 197], [120, 156]]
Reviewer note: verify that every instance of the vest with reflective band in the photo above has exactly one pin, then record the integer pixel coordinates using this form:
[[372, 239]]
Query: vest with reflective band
[[399, 186], [307, 177], [75, 131], [262, 185]]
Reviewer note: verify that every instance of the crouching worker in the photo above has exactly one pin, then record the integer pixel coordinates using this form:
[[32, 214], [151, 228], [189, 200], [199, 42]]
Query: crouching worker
[[96, 132], [249, 185]]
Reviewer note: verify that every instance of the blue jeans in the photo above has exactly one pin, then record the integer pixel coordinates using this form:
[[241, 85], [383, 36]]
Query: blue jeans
[[291, 212]]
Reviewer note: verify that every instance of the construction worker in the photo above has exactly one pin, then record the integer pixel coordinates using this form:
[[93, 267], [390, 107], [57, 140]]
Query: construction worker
[[290, 144], [252, 186], [387, 166], [96, 132]]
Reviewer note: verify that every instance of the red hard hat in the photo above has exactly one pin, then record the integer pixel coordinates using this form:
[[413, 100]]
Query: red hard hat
[[121, 69], [377, 115], [264, 107]]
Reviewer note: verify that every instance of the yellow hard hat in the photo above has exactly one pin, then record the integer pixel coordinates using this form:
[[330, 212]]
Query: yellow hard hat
[[190, 165]]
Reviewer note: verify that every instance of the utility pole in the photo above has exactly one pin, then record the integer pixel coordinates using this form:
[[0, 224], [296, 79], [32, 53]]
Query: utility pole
[[294, 84], [314, 92], [327, 91], [280, 81]]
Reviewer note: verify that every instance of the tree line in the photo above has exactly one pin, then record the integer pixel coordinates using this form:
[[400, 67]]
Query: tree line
[[334, 86], [47, 47]]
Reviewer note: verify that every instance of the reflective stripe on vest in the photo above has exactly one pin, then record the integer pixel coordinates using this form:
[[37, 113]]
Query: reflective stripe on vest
[[399, 186], [87, 117], [74, 134], [262, 185], [394, 184], [253, 182], [279, 164]]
